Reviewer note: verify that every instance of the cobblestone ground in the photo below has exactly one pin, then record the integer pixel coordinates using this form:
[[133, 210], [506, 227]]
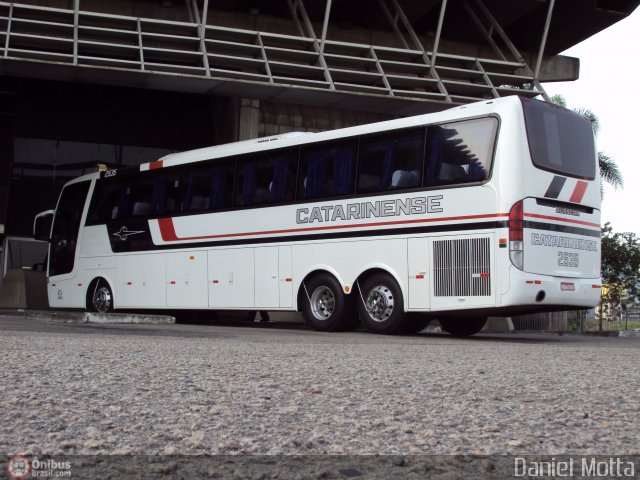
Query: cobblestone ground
[[194, 389]]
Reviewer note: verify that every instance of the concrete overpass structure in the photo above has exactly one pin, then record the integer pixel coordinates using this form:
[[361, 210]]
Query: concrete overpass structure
[[123, 82]]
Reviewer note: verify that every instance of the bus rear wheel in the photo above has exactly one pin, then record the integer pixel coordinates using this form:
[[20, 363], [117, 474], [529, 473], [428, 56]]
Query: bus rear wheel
[[325, 307], [100, 297], [462, 327], [381, 306]]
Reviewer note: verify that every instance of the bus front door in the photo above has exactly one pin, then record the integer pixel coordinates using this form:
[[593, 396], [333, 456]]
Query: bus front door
[[66, 226]]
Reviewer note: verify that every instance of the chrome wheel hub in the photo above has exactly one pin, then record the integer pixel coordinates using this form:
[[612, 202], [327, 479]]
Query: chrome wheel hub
[[102, 299], [323, 303], [379, 303]]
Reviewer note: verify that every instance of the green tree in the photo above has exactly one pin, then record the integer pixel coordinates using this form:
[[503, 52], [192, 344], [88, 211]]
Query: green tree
[[609, 171], [620, 266]]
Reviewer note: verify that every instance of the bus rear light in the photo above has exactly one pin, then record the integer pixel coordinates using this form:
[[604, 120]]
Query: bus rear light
[[516, 245], [596, 286], [515, 222]]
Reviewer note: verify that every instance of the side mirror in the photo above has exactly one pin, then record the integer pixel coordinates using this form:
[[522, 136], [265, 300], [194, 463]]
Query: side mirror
[[42, 225]]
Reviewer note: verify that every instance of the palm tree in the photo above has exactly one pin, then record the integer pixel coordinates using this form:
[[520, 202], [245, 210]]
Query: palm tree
[[609, 171]]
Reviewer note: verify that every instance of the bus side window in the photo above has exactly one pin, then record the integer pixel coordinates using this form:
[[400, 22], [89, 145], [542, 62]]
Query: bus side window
[[266, 178], [221, 186], [246, 182], [141, 198], [460, 152], [195, 191], [391, 161], [165, 195], [327, 171], [105, 203], [208, 189]]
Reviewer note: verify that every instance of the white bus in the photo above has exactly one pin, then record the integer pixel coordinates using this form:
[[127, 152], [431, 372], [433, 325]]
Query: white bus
[[485, 209]]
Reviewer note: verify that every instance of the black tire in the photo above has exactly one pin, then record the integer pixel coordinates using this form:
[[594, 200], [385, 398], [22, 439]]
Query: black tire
[[100, 297], [324, 306], [416, 322], [381, 305], [462, 327]]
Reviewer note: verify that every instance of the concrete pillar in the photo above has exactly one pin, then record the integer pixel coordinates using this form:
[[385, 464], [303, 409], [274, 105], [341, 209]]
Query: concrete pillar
[[7, 111], [248, 119], [225, 113]]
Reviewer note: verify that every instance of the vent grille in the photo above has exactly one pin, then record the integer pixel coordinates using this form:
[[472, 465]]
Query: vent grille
[[462, 268]]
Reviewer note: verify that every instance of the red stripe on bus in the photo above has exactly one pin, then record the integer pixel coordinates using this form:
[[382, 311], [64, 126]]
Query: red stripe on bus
[[559, 219], [155, 165], [578, 192], [168, 232]]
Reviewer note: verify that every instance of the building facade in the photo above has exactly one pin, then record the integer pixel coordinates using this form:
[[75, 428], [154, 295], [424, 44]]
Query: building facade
[[123, 82]]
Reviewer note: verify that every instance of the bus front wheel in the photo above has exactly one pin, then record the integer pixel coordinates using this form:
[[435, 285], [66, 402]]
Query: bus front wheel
[[100, 297], [381, 306], [462, 327], [325, 307]]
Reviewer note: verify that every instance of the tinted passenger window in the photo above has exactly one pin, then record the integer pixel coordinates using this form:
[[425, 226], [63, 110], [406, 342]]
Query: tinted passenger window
[[460, 152], [105, 203], [152, 197], [327, 170], [560, 140], [208, 189], [391, 161], [267, 177]]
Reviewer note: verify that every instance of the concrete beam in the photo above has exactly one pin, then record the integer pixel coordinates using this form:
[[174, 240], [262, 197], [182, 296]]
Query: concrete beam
[[559, 69]]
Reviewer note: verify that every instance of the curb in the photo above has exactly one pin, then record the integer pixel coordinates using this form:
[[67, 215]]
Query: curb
[[108, 318], [87, 317]]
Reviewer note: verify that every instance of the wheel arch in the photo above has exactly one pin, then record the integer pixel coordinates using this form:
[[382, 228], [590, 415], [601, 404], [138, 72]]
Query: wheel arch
[[372, 270], [311, 273]]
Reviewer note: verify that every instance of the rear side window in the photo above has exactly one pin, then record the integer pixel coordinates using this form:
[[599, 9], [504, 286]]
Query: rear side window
[[560, 140], [391, 161], [460, 152]]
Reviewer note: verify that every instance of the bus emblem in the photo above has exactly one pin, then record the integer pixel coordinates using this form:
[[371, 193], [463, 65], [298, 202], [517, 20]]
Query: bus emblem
[[124, 233]]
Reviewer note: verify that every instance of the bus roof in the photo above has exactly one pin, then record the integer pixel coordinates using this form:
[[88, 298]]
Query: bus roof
[[301, 138]]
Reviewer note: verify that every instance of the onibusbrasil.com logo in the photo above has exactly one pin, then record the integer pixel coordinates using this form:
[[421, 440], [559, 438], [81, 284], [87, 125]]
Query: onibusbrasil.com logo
[[20, 466]]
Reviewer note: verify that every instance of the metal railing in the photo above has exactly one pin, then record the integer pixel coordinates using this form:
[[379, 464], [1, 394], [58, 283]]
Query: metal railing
[[579, 321], [85, 38]]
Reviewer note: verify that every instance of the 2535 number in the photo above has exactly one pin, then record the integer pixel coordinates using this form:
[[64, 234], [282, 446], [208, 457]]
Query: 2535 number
[[568, 259]]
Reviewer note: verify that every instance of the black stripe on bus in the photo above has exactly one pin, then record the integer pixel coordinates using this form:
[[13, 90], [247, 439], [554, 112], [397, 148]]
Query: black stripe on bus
[[555, 187], [552, 227], [119, 246]]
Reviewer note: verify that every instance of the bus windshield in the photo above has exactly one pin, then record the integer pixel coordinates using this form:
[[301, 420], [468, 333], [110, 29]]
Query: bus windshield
[[560, 140]]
